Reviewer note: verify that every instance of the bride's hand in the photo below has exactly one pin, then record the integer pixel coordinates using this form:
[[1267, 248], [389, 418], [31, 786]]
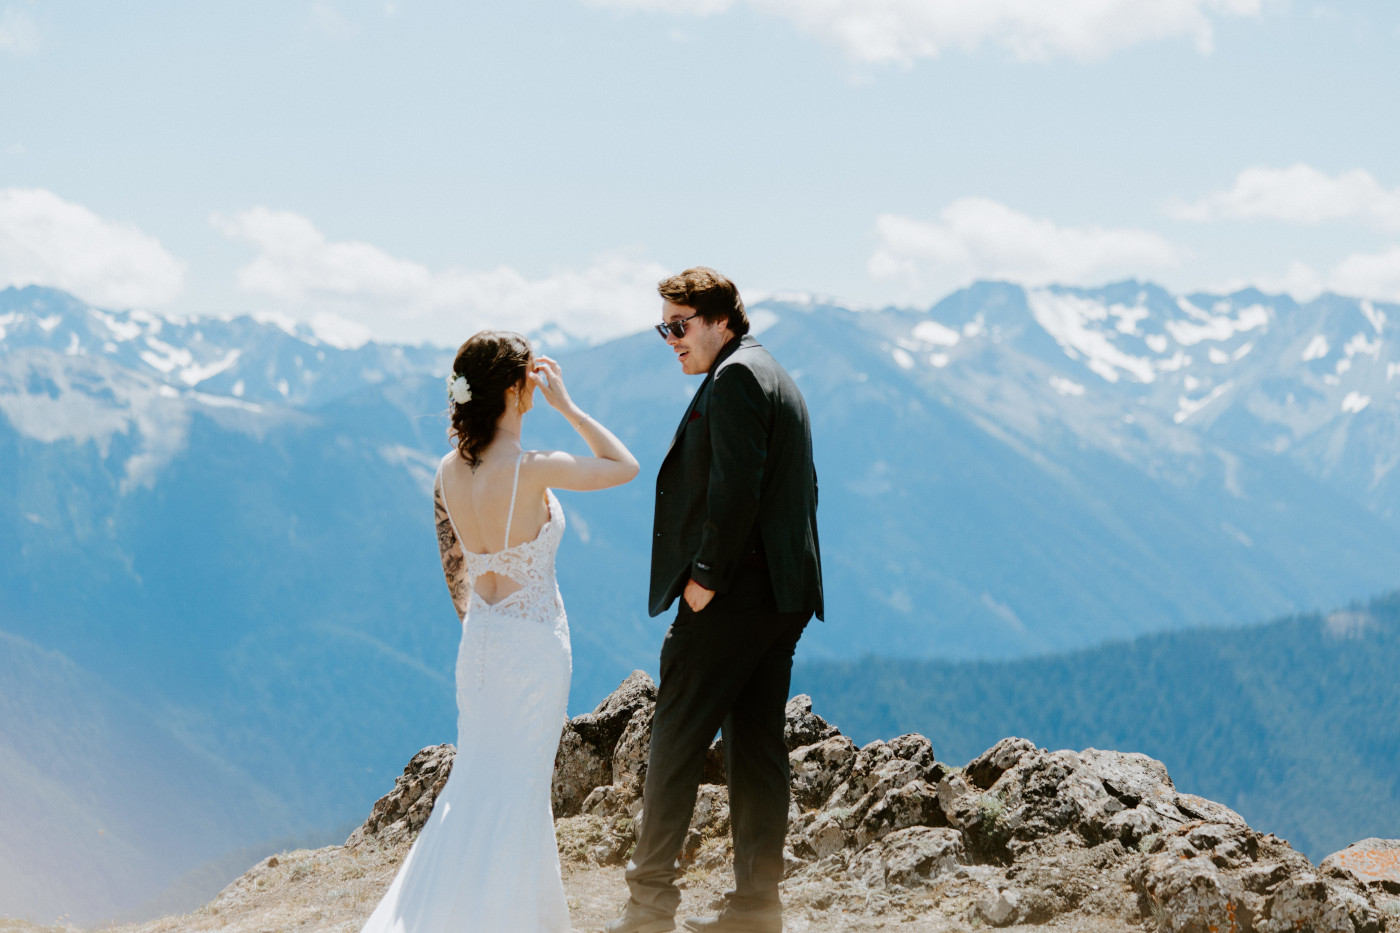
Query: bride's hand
[[549, 378]]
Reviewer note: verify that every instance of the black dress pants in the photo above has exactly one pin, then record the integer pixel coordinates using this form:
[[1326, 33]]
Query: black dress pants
[[727, 667]]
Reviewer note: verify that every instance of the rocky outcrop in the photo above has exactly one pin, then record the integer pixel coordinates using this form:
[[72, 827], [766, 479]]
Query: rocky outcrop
[[402, 812], [1018, 835], [607, 746]]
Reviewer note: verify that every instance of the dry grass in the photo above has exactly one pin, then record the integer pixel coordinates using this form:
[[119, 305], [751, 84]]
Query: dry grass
[[336, 888]]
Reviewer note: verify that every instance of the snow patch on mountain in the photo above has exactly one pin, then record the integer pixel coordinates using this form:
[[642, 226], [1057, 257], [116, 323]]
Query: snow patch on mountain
[[50, 398], [761, 320], [1215, 328], [1374, 315], [223, 401], [1186, 407], [43, 404], [935, 334], [1360, 343], [1067, 318], [1355, 402], [194, 374], [1066, 386]]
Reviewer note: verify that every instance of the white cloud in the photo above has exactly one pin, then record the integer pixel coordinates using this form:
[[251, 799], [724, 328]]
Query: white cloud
[[1299, 280], [327, 18], [1299, 194], [18, 33], [1361, 275], [977, 238], [1369, 275], [306, 274], [900, 31], [45, 240]]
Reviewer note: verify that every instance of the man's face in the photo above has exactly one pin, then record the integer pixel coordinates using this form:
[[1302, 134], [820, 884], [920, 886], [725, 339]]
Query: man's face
[[702, 341]]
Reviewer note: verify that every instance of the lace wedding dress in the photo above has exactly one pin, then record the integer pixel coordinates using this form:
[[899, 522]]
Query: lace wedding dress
[[486, 860]]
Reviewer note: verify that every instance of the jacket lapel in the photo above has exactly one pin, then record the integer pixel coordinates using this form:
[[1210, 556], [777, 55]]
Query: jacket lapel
[[745, 341], [685, 418]]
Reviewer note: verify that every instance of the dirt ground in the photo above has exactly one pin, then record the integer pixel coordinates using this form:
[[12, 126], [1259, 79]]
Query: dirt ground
[[336, 888]]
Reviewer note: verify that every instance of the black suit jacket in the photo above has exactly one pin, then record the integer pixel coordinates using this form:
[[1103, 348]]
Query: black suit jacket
[[738, 475]]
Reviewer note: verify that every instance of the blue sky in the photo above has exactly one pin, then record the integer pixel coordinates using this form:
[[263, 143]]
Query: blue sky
[[422, 169]]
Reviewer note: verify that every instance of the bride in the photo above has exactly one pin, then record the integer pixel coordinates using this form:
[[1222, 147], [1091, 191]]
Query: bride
[[486, 860]]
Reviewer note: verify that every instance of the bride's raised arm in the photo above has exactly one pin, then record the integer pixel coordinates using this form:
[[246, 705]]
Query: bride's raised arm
[[612, 464], [454, 566]]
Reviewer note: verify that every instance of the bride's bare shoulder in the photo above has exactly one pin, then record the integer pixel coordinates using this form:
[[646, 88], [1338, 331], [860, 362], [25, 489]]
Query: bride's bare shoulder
[[534, 464]]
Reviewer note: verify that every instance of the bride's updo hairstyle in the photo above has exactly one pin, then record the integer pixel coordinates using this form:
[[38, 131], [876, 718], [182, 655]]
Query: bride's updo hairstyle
[[491, 361]]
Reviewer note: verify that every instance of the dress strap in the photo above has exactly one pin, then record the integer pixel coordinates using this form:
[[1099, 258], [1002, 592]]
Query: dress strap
[[442, 485], [515, 484]]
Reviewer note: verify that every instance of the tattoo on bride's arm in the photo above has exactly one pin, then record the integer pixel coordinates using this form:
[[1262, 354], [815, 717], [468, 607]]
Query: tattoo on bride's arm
[[453, 564]]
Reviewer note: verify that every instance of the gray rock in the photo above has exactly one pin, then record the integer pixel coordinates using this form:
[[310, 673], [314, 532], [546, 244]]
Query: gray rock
[[1374, 863], [401, 813], [1307, 902], [714, 764], [1199, 876], [912, 804], [1095, 795], [1188, 894], [862, 777], [958, 799], [708, 821], [818, 769], [917, 750], [619, 838], [984, 770], [1199, 808], [579, 767], [610, 800], [821, 838], [1000, 908], [804, 727], [604, 726], [629, 758], [711, 814], [910, 857]]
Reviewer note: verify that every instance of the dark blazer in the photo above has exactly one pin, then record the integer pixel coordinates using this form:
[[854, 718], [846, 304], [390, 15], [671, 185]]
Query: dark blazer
[[739, 475]]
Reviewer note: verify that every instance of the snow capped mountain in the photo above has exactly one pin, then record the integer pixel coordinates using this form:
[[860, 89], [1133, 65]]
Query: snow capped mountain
[[1123, 364], [260, 359], [87, 375], [1115, 365]]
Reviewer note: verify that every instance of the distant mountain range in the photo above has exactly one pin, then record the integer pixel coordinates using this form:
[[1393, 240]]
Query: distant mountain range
[[227, 522], [1295, 723]]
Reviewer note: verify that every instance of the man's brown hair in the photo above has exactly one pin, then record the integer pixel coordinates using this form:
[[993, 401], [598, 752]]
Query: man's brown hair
[[711, 294]]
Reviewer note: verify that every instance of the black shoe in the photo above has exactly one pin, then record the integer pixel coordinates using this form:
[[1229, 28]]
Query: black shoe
[[731, 921], [638, 918]]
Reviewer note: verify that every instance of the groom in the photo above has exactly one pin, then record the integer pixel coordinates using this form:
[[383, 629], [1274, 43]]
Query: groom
[[736, 539]]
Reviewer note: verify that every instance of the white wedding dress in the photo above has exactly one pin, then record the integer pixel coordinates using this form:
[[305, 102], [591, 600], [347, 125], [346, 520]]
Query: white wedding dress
[[486, 861]]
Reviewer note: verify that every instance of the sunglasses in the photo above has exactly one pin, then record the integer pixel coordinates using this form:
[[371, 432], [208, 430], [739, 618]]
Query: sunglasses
[[674, 328]]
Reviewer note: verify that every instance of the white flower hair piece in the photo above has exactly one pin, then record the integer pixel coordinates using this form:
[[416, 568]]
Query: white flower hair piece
[[458, 389]]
